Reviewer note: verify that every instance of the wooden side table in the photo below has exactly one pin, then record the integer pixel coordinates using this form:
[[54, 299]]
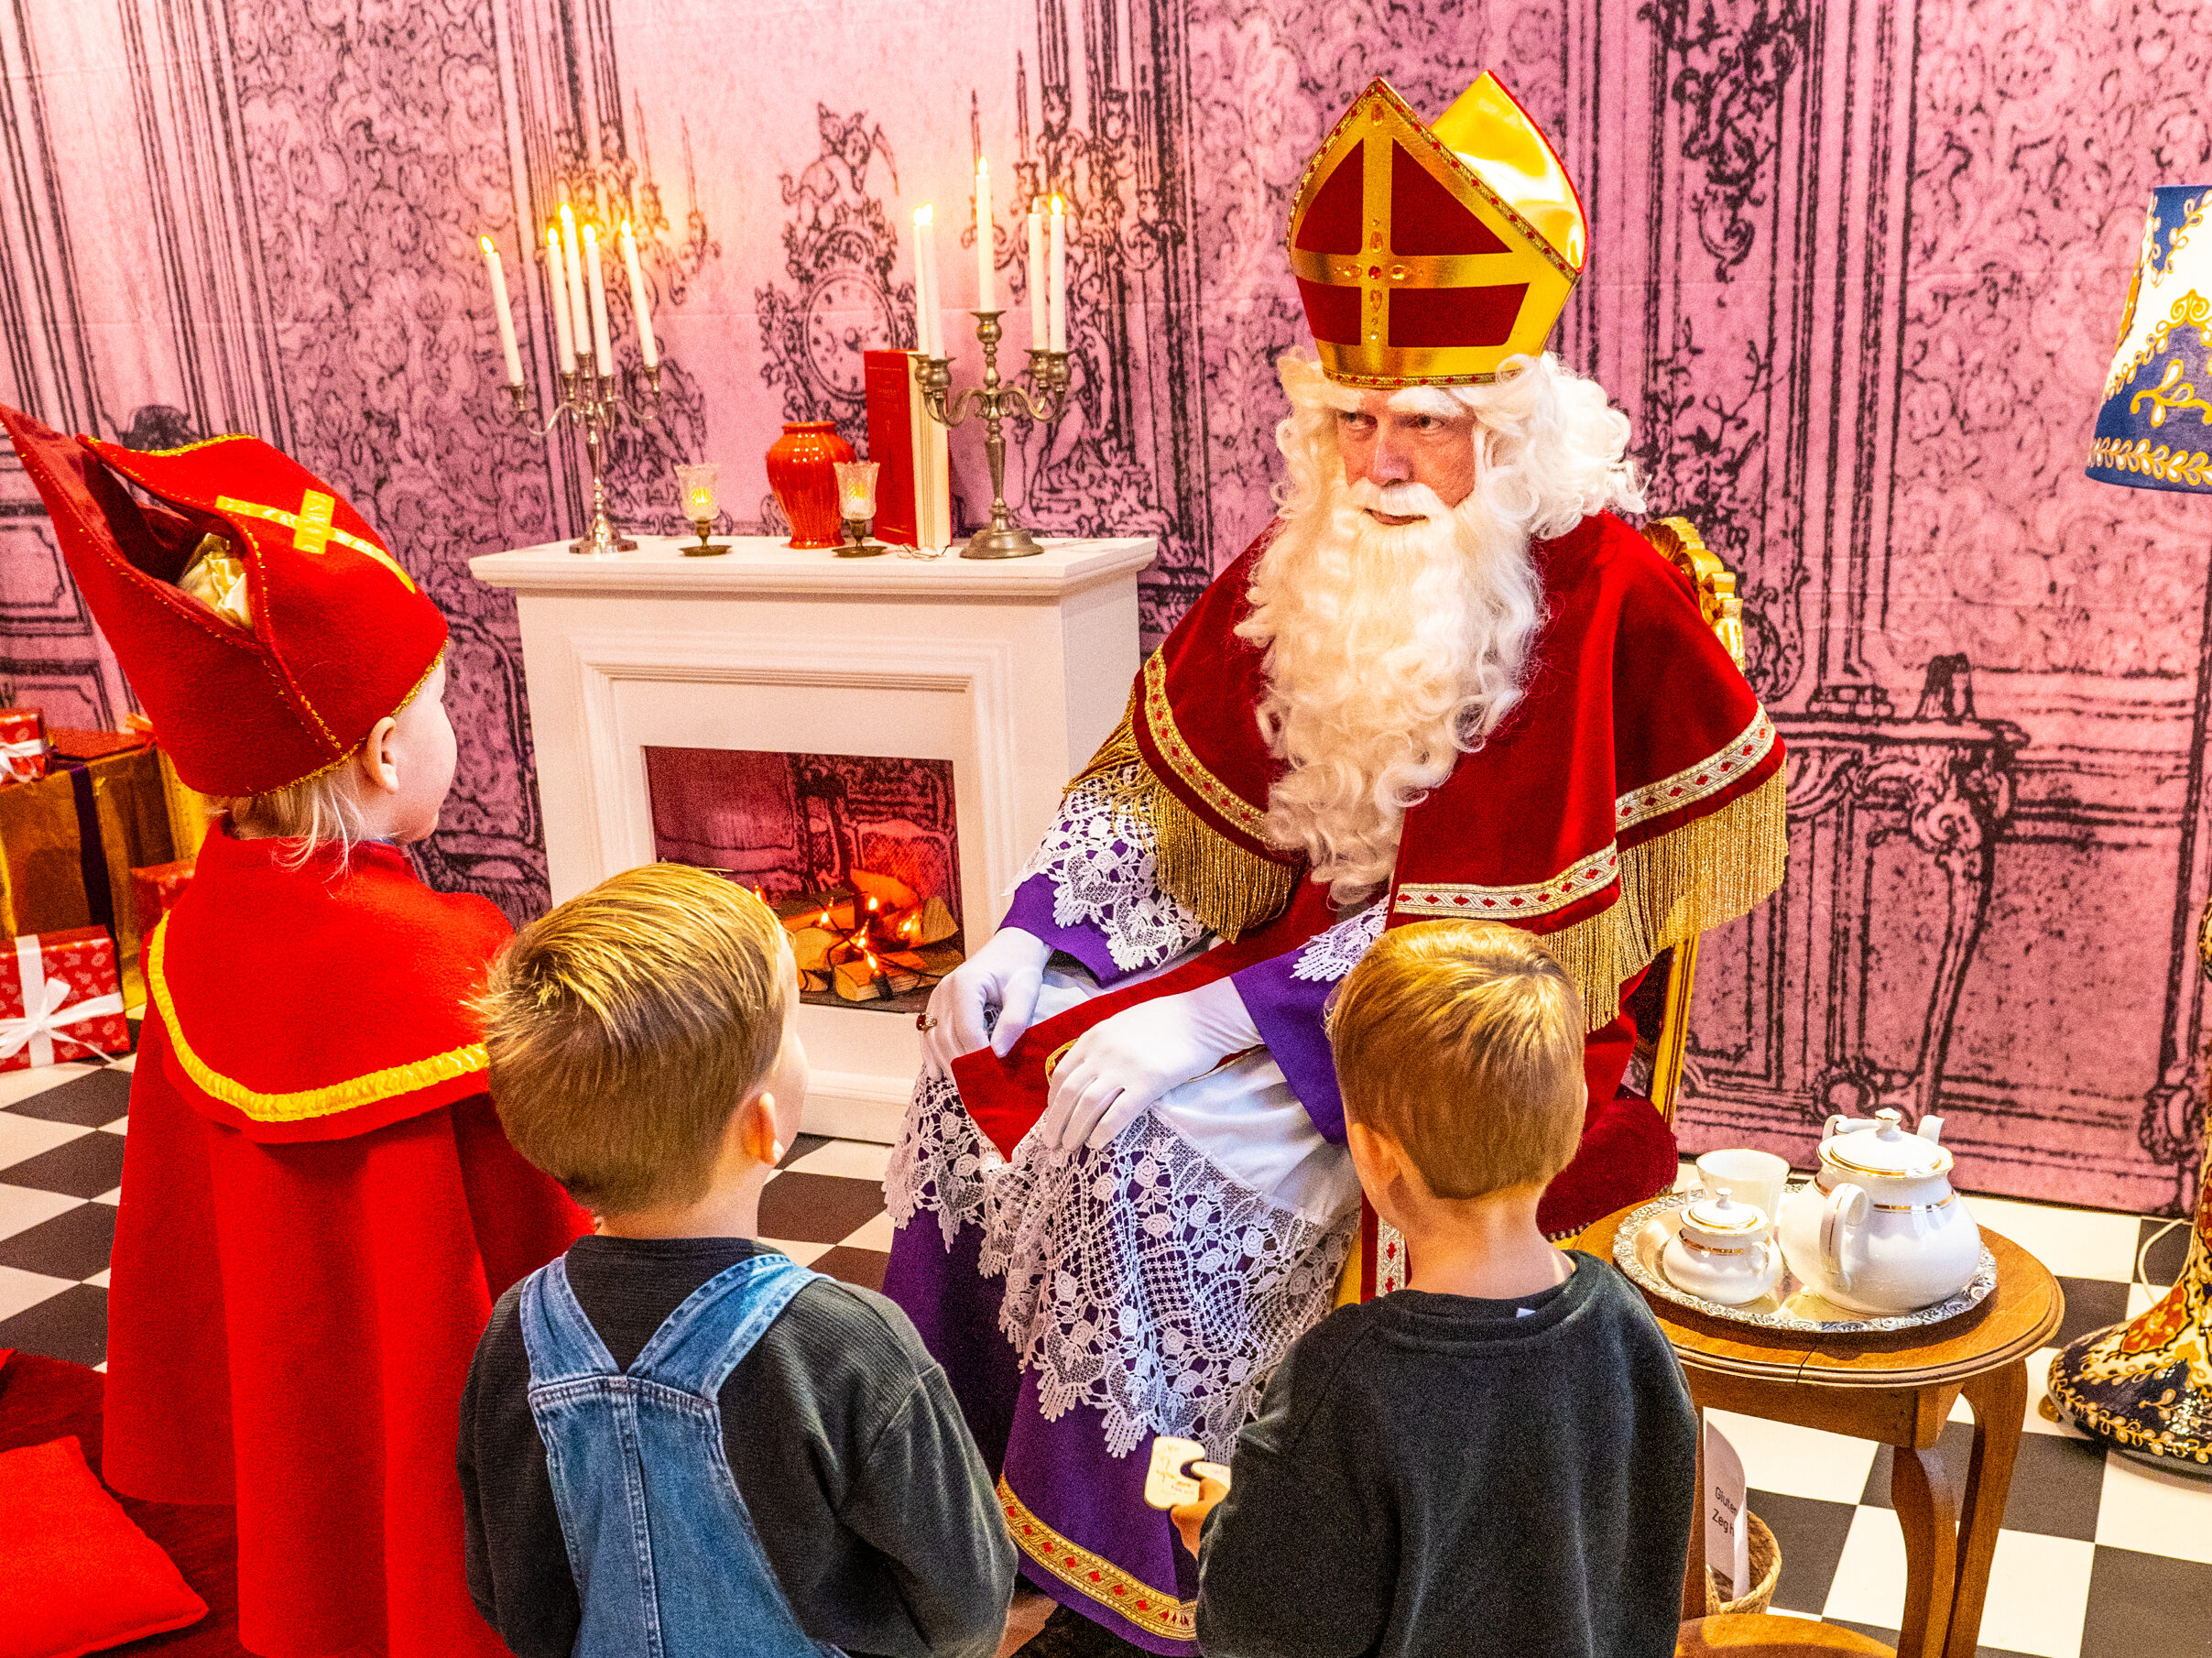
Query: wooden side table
[[1897, 1390]]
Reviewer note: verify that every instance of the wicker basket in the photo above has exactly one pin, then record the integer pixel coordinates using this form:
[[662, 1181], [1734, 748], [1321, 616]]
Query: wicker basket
[[1766, 1571]]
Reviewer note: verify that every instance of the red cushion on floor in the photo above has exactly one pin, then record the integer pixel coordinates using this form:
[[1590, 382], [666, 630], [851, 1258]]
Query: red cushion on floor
[[75, 1573]]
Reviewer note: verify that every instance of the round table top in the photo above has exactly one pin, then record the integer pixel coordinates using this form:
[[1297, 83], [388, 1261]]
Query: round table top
[[1770, 1635], [2018, 1316]]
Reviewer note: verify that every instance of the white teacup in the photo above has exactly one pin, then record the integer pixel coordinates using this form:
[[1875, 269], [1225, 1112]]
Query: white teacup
[[1756, 1178]]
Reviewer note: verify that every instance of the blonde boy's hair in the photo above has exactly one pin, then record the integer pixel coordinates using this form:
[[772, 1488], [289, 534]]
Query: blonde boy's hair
[[1461, 1042], [626, 1025]]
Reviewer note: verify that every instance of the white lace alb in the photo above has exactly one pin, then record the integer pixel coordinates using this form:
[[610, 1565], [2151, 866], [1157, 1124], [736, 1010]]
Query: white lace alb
[[1331, 954], [1099, 855], [1145, 1283]]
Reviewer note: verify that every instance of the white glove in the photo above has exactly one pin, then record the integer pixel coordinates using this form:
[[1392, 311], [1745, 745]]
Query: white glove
[[1119, 1067], [1006, 974]]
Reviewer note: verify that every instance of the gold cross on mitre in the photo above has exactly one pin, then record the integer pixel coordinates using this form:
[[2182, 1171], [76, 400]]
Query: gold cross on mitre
[[312, 530]]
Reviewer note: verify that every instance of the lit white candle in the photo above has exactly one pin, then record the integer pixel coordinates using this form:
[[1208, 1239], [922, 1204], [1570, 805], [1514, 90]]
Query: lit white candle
[[1041, 321], [501, 313], [564, 336], [1059, 293], [603, 347], [925, 286], [647, 344], [580, 307], [987, 274]]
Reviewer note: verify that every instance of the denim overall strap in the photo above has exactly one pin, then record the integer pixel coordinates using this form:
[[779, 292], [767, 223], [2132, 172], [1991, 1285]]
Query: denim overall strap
[[666, 1559]]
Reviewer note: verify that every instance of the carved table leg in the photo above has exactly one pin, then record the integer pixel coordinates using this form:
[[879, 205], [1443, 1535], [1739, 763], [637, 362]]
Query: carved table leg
[[1999, 1399], [1927, 1508]]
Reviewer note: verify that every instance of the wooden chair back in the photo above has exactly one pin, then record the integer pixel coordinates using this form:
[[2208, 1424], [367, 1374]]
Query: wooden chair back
[[1660, 1004]]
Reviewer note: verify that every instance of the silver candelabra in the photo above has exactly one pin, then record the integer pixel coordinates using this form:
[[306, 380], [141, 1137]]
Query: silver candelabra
[[591, 403], [995, 399]]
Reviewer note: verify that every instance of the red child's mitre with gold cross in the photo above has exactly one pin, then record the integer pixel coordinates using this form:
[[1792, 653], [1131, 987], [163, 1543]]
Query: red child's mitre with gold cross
[[264, 625], [1427, 254]]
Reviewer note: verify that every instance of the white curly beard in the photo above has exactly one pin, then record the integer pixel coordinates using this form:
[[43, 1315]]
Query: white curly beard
[[1391, 650]]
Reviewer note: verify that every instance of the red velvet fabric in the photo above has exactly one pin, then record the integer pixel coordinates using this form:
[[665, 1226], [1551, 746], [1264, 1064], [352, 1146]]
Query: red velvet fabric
[[290, 1320], [341, 636]]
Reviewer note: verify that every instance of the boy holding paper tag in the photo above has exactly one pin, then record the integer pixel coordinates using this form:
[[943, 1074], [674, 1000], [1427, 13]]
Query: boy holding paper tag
[[1501, 1456]]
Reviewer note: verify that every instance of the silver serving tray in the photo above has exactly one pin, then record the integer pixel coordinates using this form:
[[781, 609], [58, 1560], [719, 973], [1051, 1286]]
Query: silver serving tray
[[1790, 1305]]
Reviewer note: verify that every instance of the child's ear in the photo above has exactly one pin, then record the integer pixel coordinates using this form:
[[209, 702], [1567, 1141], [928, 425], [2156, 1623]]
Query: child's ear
[[378, 758], [754, 1124]]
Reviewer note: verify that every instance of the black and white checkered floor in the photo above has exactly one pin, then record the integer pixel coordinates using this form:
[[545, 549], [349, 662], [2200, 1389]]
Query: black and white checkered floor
[[2100, 1557]]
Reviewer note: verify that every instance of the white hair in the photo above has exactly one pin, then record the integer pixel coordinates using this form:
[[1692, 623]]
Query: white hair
[[1392, 650]]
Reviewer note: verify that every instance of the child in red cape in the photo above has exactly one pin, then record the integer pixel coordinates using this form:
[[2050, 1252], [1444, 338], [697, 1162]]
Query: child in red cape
[[318, 1206]]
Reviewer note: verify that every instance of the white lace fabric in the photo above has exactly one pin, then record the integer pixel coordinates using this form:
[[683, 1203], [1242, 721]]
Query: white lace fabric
[[1141, 1280], [1100, 855], [1331, 954]]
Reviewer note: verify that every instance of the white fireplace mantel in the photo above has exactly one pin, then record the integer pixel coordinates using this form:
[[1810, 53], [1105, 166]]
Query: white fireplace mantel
[[1015, 671]]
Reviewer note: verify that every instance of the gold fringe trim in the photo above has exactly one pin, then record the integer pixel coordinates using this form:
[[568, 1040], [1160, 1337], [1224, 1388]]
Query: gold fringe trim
[[1673, 888], [1229, 889]]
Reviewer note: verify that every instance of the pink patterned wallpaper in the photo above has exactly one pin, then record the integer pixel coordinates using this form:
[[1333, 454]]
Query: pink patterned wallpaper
[[1854, 277]]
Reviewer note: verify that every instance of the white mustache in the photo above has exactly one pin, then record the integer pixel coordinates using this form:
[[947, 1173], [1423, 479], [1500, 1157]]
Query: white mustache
[[1405, 500]]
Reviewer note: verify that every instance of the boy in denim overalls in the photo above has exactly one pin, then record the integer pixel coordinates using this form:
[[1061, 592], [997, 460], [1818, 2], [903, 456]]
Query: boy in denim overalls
[[676, 1440]]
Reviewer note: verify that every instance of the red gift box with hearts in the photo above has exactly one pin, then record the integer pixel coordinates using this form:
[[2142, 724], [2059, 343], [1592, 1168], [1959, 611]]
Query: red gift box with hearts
[[22, 745], [60, 999]]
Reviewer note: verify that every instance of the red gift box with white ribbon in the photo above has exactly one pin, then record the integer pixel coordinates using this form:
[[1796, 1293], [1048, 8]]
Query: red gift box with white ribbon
[[22, 745], [60, 999]]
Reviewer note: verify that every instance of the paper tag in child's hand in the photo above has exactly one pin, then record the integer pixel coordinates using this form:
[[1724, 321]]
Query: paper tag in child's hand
[[1166, 1485]]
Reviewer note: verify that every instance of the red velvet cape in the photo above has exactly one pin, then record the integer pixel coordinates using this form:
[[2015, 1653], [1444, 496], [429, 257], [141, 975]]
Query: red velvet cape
[[1632, 799], [319, 1207]]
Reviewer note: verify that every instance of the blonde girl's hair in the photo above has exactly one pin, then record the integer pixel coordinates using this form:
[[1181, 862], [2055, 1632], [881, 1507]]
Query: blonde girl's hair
[[626, 1025], [1461, 1042]]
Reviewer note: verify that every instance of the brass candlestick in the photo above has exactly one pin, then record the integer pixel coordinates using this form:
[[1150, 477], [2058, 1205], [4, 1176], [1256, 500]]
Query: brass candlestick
[[995, 398], [591, 403]]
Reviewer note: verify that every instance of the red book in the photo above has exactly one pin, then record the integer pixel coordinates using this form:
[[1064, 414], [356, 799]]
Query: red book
[[913, 490]]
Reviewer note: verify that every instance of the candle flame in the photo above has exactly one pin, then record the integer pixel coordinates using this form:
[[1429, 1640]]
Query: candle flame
[[627, 230], [983, 166], [566, 217], [591, 235], [485, 243], [924, 213], [1056, 206]]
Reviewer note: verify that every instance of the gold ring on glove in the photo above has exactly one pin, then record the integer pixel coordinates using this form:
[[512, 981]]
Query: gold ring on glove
[[925, 1022]]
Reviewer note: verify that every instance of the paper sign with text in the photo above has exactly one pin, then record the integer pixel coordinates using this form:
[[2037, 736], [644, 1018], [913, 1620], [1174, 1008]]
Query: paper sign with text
[[1727, 1531]]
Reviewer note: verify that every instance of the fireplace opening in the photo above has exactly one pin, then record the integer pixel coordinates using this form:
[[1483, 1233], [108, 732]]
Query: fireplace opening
[[858, 854]]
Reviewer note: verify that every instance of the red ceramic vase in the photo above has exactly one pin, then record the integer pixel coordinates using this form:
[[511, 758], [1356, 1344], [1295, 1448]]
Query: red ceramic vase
[[802, 471]]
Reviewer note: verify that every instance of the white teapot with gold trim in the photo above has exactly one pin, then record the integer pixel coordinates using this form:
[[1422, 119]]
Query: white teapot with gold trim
[[1880, 1230]]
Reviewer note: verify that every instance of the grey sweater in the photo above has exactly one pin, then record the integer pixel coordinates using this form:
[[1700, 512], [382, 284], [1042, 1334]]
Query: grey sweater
[[1434, 1475], [870, 1500]]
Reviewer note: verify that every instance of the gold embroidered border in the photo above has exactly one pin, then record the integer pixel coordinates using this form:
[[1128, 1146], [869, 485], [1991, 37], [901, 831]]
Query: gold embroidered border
[[1150, 1610], [1694, 783], [305, 1103], [1159, 720], [2178, 465], [1578, 880], [226, 437]]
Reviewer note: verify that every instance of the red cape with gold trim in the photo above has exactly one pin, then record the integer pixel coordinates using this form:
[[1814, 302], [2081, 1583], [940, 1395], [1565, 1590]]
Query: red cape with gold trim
[[319, 1208], [1632, 800]]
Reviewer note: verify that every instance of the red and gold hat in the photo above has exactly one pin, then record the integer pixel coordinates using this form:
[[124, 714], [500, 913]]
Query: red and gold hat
[[1426, 256], [264, 625]]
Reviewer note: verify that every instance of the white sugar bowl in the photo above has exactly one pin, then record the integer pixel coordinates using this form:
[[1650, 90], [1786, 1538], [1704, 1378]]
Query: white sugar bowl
[[1725, 1251], [1880, 1230]]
